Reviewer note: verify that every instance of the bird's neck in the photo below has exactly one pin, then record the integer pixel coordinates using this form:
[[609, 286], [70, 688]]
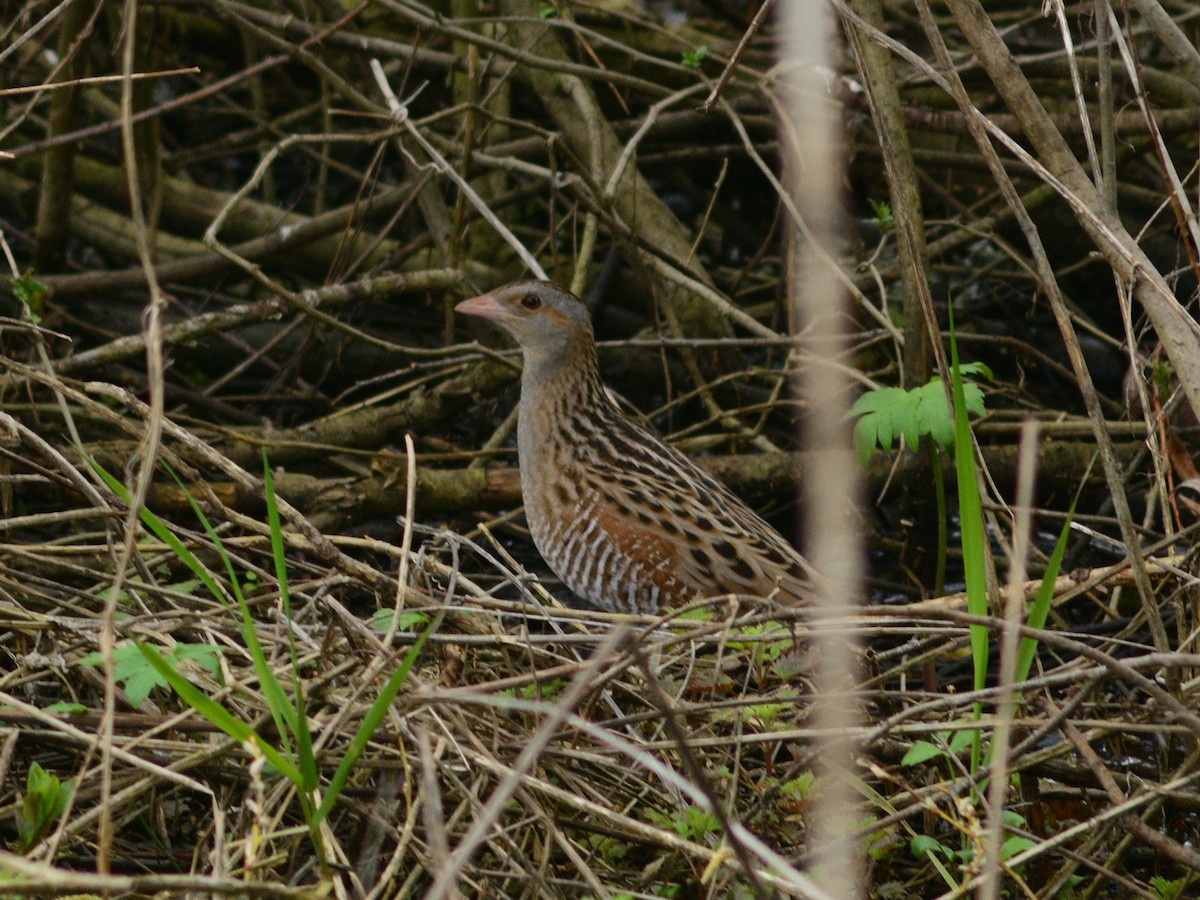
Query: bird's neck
[[569, 373], [559, 394]]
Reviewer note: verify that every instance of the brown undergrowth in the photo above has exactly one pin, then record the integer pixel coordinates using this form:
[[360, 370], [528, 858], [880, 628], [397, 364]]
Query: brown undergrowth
[[283, 283]]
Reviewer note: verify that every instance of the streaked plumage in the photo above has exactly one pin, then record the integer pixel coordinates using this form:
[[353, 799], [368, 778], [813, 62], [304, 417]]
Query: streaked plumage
[[625, 520]]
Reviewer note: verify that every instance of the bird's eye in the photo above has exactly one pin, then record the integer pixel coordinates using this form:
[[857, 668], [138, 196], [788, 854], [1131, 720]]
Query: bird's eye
[[531, 301]]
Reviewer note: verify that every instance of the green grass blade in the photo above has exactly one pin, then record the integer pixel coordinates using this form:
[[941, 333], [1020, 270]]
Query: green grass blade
[[215, 713], [160, 530], [276, 538], [970, 514], [943, 538], [1040, 610], [304, 743], [280, 707], [974, 537], [286, 717], [372, 719]]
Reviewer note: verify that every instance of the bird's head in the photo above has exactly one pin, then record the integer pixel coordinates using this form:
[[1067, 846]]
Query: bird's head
[[549, 322]]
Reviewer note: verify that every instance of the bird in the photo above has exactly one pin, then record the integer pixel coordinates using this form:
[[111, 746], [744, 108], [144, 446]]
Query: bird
[[626, 521]]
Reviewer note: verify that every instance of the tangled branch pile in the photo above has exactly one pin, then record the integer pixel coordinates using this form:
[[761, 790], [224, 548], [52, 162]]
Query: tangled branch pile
[[228, 239]]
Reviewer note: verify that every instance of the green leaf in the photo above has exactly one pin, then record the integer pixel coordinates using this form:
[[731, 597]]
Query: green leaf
[[284, 715], [935, 417], [1167, 890], [131, 670], [800, 787], [766, 712], [933, 414], [1012, 819], [66, 708], [381, 620], [976, 370], [610, 849], [31, 294], [766, 641], [882, 413], [204, 655], [544, 690], [973, 397], [139, 677], [187, 587], [546, 11], [961, 740], [693, 58], [923, 843], [1014, 845], [922, 751], [44, 801], [866, 439], [885, 412], [700, 822], [884, 220]]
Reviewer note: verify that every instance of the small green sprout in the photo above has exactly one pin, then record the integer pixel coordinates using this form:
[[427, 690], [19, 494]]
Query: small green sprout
[[693, 58]]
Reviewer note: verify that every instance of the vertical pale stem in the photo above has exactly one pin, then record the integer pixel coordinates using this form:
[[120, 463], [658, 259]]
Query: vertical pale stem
[[1010, 643], [832, 480]]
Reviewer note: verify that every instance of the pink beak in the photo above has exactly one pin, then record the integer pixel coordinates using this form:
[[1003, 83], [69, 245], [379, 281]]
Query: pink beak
[[485, 306]]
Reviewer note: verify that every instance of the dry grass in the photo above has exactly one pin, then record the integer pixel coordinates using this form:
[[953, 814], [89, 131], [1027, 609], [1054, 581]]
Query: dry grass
[[284, 283]]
